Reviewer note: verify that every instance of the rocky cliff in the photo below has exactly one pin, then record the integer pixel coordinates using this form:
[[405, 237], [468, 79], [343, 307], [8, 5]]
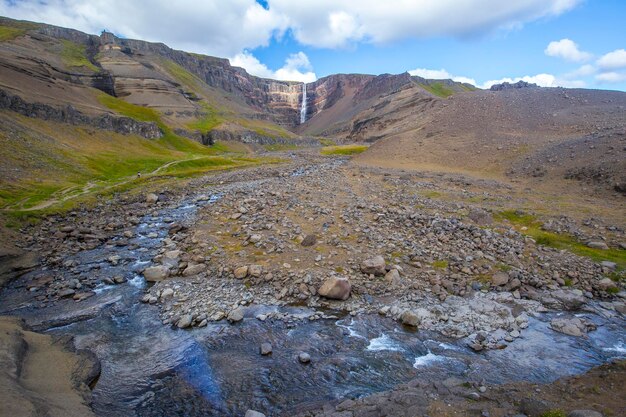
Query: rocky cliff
[[68, 114]]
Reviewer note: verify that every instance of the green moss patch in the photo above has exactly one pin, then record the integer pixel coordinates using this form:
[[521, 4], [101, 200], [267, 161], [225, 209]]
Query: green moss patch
[[343, 150], [530, 226]]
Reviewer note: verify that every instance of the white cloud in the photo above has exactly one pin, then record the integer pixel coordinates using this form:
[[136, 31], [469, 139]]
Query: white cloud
[[613, 60], [568, 50], [440, 74], [297, 67], [542, 80], [611, 77], [338, 23], [225, 28], [213, 27], [583, 71]]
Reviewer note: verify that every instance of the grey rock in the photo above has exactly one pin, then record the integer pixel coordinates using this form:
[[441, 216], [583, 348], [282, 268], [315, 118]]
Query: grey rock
[[375, 265], [266, 348], [335, 288], [309, 240], [597, 245], [304, 357], [156, 273], [235, 315], [252, 413], [410, 318], [185, 321], [584, 413]]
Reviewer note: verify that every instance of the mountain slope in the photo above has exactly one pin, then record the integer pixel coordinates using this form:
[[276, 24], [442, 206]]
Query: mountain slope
[[539, 133]]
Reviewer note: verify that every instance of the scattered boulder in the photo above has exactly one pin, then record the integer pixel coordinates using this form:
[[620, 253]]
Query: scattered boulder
[[574, 326], [335, 288], [266, 349], [252, 413], [156, 273], [375, 265], [167, 293], [304, 357], [309, 240], [255, 270], [193, 269], [185, 321], [584, 413], [241, 272], [499, 279], [393, 277], [152, 198], [606, 284], [480, 216], [235, 315], [597, 245], [410, 318]]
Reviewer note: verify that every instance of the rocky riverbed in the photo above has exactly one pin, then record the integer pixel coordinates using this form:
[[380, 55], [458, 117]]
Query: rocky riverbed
[[291, 288]]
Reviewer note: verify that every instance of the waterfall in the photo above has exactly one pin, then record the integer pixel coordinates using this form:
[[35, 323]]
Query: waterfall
[[303, 107]]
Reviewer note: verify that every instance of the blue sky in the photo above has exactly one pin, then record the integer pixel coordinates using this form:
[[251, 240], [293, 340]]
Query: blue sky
[[573, 43]]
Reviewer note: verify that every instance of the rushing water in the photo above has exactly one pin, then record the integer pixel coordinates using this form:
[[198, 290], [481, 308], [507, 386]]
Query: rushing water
[[303, 106], [153, 370]]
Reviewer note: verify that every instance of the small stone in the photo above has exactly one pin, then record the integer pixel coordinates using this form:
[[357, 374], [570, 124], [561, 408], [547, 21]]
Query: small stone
[[66, 292], [266, 349], [304, 357], [609, 265], [252, 413], [255, 238], [119, 279]]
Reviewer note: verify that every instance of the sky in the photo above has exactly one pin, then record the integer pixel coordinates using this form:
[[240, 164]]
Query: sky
[[567, 43]]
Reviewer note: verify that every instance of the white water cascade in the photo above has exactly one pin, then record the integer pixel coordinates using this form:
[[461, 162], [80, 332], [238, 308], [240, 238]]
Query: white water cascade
[[303, 107]]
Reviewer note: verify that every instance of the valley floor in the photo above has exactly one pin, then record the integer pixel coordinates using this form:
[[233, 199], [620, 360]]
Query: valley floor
[[485, 264]]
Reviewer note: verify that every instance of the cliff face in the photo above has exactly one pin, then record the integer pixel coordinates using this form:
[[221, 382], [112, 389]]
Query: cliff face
[[280, 100]]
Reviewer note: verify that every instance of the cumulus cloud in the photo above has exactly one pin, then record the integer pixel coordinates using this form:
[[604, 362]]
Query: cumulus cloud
[[213, 27], [568, 50], [296, 68], [611, 77], [227, 27], [613, 60], [583, 71], [542, 80], [338, 23], [440, 74]]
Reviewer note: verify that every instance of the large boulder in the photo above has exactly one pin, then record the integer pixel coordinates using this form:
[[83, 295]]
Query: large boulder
[[410, 318], [241, 272], [152, 198], [375, 265], [574, 326], [236, 315], [156, 273], [194, 269], [335, 288]]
